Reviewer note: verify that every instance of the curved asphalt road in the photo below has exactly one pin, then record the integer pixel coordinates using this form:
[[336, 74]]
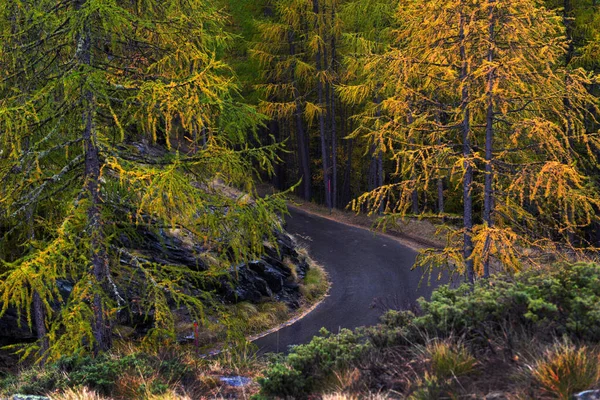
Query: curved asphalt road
[[369, 272]]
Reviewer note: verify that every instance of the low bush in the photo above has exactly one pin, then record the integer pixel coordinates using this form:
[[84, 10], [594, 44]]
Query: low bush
[[557, 302], [102, 375], [34, 381], [307, 366], [496, 317]]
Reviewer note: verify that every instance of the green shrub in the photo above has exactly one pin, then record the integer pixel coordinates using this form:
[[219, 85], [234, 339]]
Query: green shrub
[[285, 381], [99, 374], [545, 304], [35, 381], [396, 328], [308, 365], [562, 301]]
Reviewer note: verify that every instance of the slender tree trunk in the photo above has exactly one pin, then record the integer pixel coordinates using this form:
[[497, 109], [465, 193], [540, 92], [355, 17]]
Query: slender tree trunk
[[300, 132], [413, 177], [347, 184], [330, 99], [440, 180], [567, 21], [347, 191], [279, 178], [39, 313], [467, 154], [378, 158], [101, 325], [372, 175], [440, 196], [488, 193], [322, 131], [332, 113]]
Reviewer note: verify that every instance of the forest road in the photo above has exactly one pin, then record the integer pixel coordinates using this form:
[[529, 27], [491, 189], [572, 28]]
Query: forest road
[[369, 273]]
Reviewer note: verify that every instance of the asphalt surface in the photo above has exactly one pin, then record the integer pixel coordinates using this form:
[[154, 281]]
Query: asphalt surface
[[369, 273]]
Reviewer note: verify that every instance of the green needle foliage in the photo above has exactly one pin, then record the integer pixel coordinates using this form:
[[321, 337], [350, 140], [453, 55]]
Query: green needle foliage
[[117, 116]]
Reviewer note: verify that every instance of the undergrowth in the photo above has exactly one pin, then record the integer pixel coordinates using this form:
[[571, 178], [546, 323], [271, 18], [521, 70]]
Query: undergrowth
[[499, 336]]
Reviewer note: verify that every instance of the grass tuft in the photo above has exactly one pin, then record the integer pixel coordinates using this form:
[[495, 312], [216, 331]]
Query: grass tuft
[[448, 359], [315, 283], [565, 369]]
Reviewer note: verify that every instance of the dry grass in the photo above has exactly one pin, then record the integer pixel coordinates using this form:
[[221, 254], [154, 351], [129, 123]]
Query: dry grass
[[564, 370], [448, 359], [87, 394], [315, 284], [77, 394], [342, 396]]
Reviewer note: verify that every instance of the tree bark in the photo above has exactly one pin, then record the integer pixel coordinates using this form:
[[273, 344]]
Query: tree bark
[[39, 313], [467, 154], [101, 324], [322, 131], [440, 196], [488, 193], [346, 194], [301, 138], [413, 177], [568, 23], [332, 114]]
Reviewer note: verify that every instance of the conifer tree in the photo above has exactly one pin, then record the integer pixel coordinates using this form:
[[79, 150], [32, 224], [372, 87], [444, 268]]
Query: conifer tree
[[101, 106], [296, 47], [363, 40], [485, 77], [281, 52]]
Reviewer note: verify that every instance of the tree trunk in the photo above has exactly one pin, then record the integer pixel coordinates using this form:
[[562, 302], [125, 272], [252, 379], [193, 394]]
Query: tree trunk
[[489, 142], [101, 325], [332, 114], [467, 154], [379, 158], [347, 191], [413, 177], [301, 138], [279, 177], [440, 196], [39, 313], [322, 131], [440, 180], [347, 184], [567, 21]]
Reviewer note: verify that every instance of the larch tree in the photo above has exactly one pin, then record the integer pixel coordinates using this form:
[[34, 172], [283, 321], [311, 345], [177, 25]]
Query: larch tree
[[365, 39], [102, 105], [297, 49], [281, 51], [474, 93]]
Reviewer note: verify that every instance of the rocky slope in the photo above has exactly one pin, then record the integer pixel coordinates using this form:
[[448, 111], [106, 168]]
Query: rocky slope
[[273, 277]]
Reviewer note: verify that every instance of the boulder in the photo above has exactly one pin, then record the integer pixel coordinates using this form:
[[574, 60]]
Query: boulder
[[268, 278], [588, 395]]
